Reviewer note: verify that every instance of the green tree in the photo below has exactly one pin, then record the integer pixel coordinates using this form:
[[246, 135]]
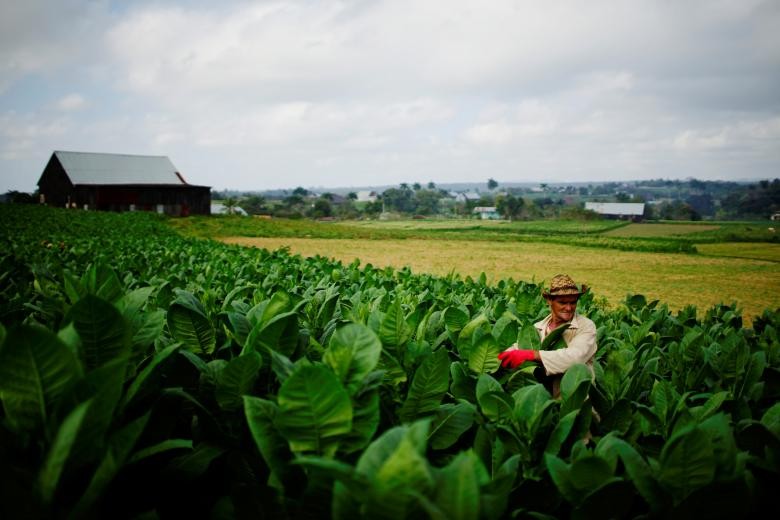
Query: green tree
[[426, 202], [509, 206], [322, 208], [492, 184], [254, 204], [399, 199]]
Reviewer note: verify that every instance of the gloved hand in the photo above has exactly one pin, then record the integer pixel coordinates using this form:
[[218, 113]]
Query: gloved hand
[[515, 358]]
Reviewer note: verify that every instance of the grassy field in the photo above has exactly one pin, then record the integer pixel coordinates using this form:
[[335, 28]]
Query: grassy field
[[675, 279], [695, 263], [659, 230]]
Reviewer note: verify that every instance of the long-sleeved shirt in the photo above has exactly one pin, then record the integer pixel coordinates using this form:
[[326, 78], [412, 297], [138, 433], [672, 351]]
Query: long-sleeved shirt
[[580, 340]]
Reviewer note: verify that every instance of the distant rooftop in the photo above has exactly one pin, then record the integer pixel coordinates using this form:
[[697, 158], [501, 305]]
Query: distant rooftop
[[109, 168], [617, 208]]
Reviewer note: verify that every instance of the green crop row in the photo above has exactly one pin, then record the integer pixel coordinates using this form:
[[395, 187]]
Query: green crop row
[[568, 233], [147, 374]]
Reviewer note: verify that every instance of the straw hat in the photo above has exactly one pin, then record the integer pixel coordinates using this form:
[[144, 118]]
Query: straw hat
[[563, 285]]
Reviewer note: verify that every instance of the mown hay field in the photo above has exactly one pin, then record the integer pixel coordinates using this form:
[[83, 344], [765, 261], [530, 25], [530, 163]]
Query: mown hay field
[[677, 280]]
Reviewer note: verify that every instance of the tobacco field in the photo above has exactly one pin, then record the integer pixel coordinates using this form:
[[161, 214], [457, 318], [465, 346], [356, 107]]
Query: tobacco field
[[148, 375]]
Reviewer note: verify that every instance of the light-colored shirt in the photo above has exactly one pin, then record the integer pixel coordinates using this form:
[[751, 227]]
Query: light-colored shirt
[[580, 340]]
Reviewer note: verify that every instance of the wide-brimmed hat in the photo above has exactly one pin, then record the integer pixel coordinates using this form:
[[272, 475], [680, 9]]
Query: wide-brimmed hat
[[563, 285]]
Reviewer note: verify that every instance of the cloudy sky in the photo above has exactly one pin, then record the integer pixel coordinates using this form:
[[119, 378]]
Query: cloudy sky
[[277, 94]]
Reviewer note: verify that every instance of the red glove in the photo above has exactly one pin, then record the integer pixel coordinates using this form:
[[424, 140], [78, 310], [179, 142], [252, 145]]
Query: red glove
[[515, 358]]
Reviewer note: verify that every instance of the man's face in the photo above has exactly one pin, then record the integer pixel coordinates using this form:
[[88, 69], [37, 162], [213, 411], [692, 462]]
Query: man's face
[[563, 307]]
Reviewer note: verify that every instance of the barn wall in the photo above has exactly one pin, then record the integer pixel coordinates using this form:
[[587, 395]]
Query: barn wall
[[171, 200], [54, 184]]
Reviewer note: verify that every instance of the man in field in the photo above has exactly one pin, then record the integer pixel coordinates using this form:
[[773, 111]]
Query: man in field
[[580, 336]]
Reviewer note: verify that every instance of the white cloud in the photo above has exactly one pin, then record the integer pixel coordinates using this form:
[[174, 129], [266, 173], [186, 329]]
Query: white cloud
[[71, 102], [442, 89]]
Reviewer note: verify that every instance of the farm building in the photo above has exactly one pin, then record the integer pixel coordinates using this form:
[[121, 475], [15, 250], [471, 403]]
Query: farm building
[[117, 182], [487, 212], [622, 210], [367, 196]]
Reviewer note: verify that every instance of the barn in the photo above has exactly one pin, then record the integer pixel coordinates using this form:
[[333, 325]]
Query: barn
[[621, 210], [119, 182]]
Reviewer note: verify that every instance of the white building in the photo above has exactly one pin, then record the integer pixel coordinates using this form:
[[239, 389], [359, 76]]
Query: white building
[[617, 209], [487, 212], [366, 196]]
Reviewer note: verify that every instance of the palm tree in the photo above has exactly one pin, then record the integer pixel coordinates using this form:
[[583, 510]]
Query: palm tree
[[230, 204]]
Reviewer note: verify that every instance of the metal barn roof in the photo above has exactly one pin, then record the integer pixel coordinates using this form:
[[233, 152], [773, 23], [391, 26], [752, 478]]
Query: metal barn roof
[[109, 168], [617, 208]]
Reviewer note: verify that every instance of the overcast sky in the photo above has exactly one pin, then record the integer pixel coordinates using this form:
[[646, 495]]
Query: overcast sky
[[277, 94]]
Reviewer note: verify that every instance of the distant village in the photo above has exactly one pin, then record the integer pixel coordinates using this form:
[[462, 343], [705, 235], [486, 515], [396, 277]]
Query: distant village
[[640, 200], [117, 182]]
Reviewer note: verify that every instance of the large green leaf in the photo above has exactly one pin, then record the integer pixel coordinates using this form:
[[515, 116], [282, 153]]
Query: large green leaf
[[393, 330], [687, 462], [493, 402], [365, 421], [397, 466], [455, 319], [104, 333], [279, 333], [530, 403], [237, 379], [260, 415], [554, 340], [265, 311], [771, 419], [353, 352], [105, 384], [560, 473], [638, 470], [528, 337], [59, 453], [188, 323], [505, 331], [466, 336], [450, 422], [574, 387], [101, 281], [464, 383], [36, 369], [430, 383], [458, 487], [590, 473], [150, 378], [194, 464], [561, 433], [724, 446], [315, 411], [483, 356]]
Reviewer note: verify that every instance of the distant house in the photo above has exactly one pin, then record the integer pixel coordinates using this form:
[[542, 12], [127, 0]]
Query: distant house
[[486, 212], [366, 196], [465, 196], [624, 210], [118, 182]]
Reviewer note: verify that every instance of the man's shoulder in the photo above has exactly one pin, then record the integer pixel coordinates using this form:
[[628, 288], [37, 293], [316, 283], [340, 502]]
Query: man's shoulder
[[582, 322]]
